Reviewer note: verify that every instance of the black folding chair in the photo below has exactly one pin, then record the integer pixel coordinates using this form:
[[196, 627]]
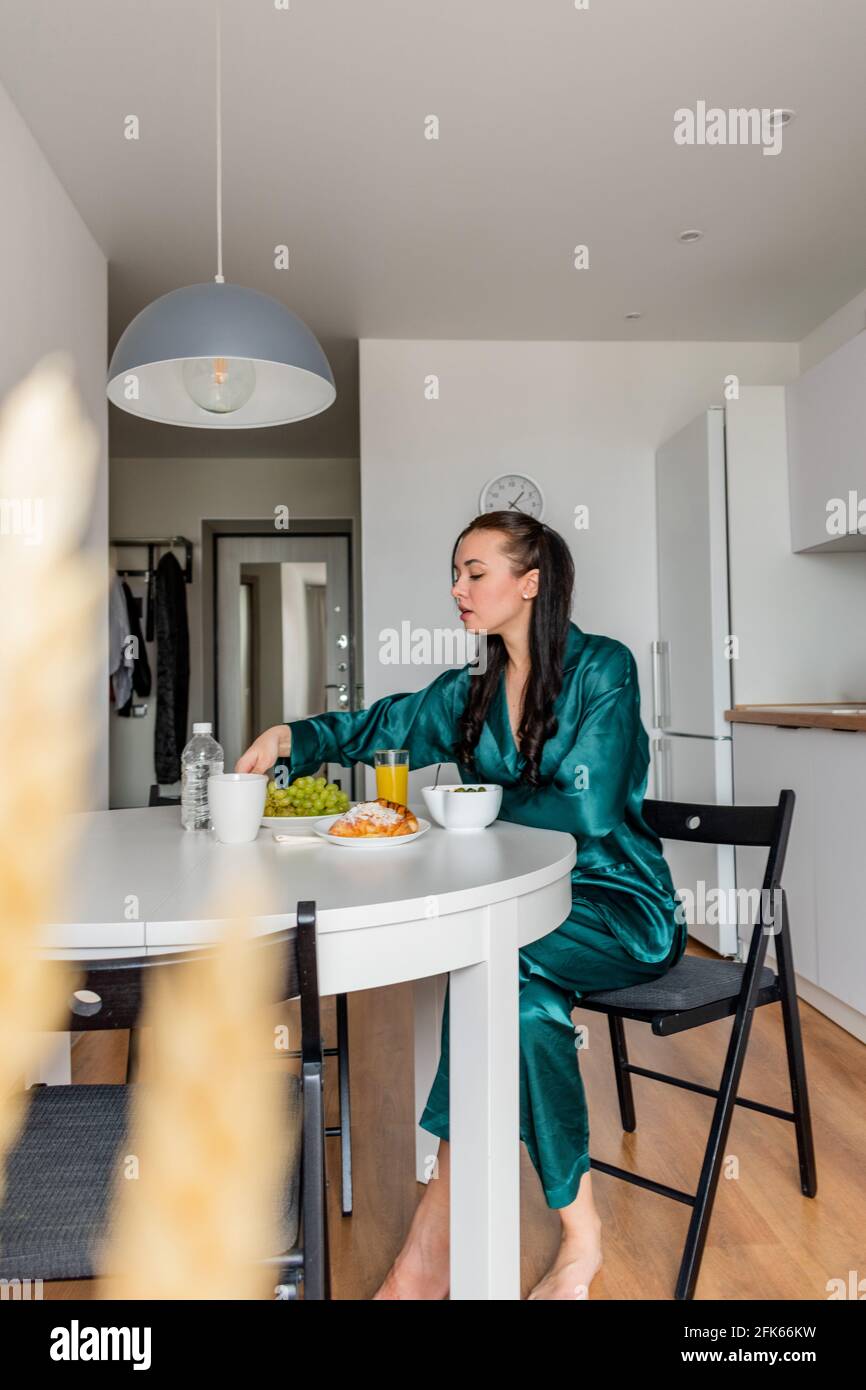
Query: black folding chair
[[344, 1128], [701, 990], [60, 1174]]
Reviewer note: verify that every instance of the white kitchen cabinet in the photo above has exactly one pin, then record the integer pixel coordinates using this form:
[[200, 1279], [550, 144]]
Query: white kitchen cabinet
[[768, 758], [826, 419], [839, 760]]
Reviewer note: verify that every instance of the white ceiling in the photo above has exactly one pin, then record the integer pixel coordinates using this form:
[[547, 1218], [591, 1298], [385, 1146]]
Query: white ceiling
[[556, 129]]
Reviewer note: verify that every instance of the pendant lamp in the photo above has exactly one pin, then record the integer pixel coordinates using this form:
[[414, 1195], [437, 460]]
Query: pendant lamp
[[218, 356]]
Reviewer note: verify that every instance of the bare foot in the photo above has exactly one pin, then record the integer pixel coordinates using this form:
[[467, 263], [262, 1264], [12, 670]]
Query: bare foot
[[422, 1270], [574, 1268]]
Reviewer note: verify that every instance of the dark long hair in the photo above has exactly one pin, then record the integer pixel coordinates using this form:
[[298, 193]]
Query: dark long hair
[[529, 544]]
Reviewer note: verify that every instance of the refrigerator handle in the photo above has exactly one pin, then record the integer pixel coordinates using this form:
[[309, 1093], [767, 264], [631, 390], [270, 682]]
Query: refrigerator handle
[[657, 776], [661, 684], [661, 755]]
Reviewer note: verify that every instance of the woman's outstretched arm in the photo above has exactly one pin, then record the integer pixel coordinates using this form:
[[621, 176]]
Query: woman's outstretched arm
[[422, 721]]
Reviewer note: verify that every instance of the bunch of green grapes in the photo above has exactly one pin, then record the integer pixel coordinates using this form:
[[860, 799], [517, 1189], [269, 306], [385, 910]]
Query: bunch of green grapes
[[306, 796]]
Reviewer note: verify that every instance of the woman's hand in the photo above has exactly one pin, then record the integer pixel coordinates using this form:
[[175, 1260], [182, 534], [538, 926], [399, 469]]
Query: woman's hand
[[274, 743]]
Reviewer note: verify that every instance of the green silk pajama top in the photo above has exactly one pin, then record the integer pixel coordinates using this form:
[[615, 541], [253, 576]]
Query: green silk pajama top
[[597, 764]]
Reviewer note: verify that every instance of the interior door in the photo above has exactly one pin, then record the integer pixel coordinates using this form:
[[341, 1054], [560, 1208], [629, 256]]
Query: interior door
[[284, 642]]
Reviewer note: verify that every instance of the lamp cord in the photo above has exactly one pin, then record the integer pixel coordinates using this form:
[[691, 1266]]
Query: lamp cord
[[219, 278]]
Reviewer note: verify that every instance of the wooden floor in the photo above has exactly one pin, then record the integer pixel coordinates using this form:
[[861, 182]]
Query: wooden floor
[[766, 1240]]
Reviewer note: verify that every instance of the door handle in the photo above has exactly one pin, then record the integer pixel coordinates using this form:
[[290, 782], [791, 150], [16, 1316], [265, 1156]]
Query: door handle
[[343, 691]]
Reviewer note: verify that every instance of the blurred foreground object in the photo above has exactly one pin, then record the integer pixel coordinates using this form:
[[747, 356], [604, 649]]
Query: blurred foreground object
[[199, 1196], [52, 597]]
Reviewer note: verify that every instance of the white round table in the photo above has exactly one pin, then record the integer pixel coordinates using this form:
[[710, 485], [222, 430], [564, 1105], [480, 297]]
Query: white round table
[[458, 902]]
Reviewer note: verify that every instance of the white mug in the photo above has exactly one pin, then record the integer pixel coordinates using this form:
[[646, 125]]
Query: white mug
[[236, 801]]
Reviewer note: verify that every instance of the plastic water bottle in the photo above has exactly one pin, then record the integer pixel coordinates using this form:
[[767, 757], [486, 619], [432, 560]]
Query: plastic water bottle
[[201, 757]]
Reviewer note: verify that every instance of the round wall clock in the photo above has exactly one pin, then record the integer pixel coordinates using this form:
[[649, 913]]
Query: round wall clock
[[512, 492]]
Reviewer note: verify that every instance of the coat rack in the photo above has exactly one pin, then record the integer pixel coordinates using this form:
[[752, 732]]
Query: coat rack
[[153, 544]]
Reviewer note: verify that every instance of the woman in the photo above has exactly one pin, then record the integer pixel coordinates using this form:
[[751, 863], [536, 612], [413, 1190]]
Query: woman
[[555, 719]]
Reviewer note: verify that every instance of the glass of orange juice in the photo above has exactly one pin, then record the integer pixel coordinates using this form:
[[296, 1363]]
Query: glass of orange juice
[[392, 774]]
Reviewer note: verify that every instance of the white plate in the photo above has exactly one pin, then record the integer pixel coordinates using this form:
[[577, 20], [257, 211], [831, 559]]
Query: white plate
[[368, 841], [298, 825]]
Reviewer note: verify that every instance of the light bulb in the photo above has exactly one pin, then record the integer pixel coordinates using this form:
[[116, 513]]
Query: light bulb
[[219, 384]]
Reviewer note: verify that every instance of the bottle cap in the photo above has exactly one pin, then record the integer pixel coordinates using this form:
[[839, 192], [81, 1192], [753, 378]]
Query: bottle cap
[[202, 728]]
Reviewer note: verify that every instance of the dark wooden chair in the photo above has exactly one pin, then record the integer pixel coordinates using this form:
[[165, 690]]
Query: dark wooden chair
[[60, 1172], [699, 990]]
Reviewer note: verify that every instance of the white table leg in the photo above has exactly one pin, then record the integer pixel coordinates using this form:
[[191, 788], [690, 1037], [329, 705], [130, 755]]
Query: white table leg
[[429, 1006], [484, 1086]]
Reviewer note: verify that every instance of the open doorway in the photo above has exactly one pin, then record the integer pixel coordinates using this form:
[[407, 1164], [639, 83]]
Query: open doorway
[[282, 633]]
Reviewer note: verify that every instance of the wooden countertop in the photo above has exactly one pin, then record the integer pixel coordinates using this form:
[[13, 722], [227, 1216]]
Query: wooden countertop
[[846, 714]]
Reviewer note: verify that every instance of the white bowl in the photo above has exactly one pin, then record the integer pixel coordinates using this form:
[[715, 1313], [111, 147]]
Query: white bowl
[[458, 809]]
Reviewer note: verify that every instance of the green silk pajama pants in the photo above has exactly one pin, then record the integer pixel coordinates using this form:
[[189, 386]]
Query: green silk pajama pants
[[581, 956]]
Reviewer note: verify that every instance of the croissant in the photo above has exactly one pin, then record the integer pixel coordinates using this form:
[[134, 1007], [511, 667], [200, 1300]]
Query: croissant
[[381, 818]]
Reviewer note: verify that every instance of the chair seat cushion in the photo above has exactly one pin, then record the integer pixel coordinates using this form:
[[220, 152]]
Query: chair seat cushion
[[60, 1177], [691, 983]]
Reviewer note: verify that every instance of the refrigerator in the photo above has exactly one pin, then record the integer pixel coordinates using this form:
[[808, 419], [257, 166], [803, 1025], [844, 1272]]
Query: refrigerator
[[692, 746]]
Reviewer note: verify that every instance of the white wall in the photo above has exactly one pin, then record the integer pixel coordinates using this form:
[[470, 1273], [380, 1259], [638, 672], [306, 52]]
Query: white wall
[[583, 418], [162, 496], [839, 328], [54, 294]]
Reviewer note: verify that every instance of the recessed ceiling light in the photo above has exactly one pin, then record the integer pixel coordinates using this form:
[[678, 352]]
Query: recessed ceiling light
[[633, 315], [691, 235], [782, 115]]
